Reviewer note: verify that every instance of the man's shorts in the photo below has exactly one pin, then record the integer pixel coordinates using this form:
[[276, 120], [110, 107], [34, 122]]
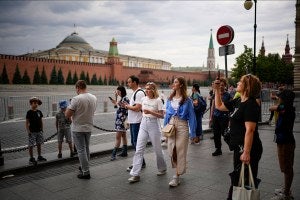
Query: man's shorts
[[64, 133], [35, 138]]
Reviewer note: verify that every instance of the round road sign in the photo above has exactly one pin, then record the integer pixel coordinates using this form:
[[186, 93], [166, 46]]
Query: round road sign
[[225, 35]]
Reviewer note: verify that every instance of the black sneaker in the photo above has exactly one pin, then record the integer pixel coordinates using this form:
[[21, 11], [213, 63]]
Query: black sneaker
[[129, 168], [59, 155], [72, 154], [86, 176], [32, 161], [41, 158], [217, 153]]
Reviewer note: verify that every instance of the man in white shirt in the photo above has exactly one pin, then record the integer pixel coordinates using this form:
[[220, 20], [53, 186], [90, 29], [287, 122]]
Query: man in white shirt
[[82, 109], [134, 110]]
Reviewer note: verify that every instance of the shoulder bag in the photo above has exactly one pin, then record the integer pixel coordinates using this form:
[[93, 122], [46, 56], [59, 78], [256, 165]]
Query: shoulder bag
[[169, 130]]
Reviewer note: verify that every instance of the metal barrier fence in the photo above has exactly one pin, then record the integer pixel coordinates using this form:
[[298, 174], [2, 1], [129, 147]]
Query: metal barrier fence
[[17, 106]]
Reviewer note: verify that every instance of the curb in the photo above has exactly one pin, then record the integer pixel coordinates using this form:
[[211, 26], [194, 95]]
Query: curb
[[41, 165]]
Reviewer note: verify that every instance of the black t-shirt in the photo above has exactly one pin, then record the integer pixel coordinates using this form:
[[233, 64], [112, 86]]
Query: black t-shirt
[[285, 124], [241, 112], [35, 120]]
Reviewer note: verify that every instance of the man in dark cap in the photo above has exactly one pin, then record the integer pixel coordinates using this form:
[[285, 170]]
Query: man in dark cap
[[285, 140]]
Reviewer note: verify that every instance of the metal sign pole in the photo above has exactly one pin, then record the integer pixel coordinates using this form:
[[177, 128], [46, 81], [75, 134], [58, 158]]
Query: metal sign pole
[[226, 52]]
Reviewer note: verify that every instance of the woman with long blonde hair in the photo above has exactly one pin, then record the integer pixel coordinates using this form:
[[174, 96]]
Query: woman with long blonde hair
[[152, 109]]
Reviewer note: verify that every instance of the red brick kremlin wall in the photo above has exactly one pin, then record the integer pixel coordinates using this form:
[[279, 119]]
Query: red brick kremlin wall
[[118, 71]]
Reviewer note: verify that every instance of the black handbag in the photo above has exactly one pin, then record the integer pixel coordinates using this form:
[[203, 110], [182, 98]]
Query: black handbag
[[227, 138]]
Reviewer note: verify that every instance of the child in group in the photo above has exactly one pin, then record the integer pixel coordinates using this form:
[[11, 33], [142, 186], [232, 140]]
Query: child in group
[[63, 128], [285, 140], [34, 128]]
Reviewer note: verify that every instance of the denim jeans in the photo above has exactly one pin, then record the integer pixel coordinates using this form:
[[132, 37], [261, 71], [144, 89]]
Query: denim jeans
[[199, 123], [134, 131], [82, 143]]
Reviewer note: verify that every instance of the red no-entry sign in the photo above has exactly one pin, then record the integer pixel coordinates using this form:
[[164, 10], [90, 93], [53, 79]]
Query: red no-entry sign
[[225, 35]]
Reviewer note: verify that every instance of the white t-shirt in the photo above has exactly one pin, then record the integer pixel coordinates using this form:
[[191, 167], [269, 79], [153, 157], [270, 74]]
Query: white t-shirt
[[175, 103], [84, 106], [133, 116], [151, 104]]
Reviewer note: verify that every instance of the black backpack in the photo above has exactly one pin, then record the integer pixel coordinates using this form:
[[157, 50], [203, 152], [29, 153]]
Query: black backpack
[[134, 96], [201, 107]]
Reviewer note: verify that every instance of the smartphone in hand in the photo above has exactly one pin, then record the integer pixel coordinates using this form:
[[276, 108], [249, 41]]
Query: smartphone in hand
[[218, 75]]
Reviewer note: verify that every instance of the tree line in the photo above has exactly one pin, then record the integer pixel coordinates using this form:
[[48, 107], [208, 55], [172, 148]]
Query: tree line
[[56, 77], [269, 69]]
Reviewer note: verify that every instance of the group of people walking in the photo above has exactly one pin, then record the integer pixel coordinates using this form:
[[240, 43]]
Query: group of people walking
[[144, 112], [144, 109]]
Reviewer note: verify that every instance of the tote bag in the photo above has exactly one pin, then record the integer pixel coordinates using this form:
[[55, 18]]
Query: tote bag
[[249, 192]]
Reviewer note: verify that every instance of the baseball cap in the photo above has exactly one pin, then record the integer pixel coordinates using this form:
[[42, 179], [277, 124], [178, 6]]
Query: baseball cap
[[63, 103]]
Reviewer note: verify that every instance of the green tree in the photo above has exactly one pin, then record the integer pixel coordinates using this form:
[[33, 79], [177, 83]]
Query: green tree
[[4, 76], [26, 79], [60, 77], [53, 77], [69, 80], [82, 75], [110, 81], [105, 80], [17, 79], [270, 68], [189, 82], [94, 80], [243, 64], [44, 79], [36, 76], [75, 77], [100, 82], [87, 79]]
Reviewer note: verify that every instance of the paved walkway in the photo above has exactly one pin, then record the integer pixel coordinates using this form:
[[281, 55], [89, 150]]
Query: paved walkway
[[206, 178]]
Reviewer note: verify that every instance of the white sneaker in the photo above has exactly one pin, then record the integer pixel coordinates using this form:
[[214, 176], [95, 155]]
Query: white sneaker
[[161, 173], [282, 197], [174, 182], [280, 191], [134, 179], [164, 144]]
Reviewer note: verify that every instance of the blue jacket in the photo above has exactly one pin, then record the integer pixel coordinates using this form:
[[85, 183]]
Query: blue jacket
[[185, 112]]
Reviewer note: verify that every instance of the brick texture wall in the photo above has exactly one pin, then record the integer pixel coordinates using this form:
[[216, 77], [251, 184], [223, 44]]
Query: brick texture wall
[[118, 71]]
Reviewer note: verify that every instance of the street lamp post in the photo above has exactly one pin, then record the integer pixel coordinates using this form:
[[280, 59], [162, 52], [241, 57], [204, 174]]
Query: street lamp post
[[248, 5]]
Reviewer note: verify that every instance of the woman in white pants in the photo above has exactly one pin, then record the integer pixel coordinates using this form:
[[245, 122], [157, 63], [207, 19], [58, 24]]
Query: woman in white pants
[[152, 109]]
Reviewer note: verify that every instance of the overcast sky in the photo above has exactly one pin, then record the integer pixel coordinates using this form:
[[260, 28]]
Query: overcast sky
[[174, 31]]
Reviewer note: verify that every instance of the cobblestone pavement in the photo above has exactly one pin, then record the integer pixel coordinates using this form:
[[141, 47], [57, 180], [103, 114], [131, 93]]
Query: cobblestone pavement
[[206, 178]]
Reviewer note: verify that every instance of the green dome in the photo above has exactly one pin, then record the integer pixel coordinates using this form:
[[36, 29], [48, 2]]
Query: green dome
[[74, 40]]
